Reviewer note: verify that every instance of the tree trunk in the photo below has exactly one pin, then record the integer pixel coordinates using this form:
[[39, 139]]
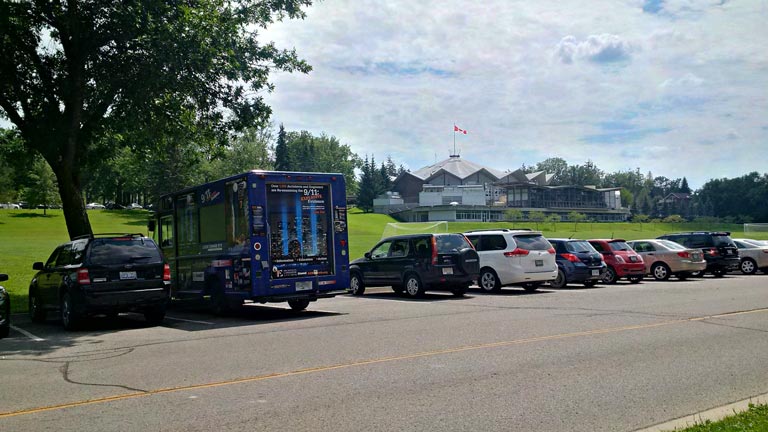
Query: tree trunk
[[75, 215]]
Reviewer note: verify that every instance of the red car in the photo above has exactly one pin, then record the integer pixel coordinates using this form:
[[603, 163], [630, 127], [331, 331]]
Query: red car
[[622, 260]]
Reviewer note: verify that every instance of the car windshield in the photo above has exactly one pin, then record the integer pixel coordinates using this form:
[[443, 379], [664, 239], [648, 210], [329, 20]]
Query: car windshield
[[579, 246], [672, 245], [532, 242], [448, 243], [619, 246], [124, 251]]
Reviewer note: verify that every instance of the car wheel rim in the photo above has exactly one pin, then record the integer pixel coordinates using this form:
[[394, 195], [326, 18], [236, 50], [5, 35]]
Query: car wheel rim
[[487, 281], [412, 286], [747, 267], [660, 272], [608, 276]]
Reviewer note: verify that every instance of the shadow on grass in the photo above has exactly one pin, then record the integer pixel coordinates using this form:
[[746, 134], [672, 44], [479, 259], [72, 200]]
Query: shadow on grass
[[29, 215], [131, 217]]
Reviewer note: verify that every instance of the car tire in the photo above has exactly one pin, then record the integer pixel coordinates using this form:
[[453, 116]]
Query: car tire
[[356, 285], [413, 286], [660, 271], [531, 286], [154, 317], [298, 304], [590, 283], [748, 266], [69, 318], [635, 279], [488, 280], [469, 261], [609, 276], [5, 329], [36, 311], [560, 281]]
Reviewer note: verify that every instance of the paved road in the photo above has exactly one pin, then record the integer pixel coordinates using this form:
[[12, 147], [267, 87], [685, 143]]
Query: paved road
[[609, 358]]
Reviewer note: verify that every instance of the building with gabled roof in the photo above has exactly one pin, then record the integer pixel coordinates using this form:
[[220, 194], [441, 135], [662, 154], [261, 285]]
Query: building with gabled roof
[[457, 189]]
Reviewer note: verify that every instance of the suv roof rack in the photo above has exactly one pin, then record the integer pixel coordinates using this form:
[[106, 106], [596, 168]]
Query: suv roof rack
[[122, 234]]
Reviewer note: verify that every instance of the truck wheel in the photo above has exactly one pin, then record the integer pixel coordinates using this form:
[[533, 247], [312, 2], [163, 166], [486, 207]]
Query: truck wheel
[[298, 304], [413, 286], [36, 311], [69, 318], [356, 285]]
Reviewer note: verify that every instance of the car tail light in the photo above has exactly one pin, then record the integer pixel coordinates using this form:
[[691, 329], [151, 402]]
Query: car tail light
[[434, 251], [684, 254], [570, 257], [552, 250], [711, 251], [516, 252], [83, 278], [166, 272]]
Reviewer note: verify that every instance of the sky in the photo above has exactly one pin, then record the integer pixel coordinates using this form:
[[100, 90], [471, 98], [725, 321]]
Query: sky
[[675, 87]]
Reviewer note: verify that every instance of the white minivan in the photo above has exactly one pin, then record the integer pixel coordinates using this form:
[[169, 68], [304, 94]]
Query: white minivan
[[513, 257]]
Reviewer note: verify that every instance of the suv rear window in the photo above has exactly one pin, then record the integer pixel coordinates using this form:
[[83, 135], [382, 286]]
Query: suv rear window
[[532, 242], [121, 251], [448, 243], [722, 240]]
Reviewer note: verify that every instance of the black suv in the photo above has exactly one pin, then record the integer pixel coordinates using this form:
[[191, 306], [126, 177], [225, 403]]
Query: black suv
[[416, 263], [103, 274], [5, 309], [720, 252]]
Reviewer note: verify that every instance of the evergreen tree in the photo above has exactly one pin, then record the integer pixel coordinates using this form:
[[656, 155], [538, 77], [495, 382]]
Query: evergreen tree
[[367, 188], [684, 188], [282, 157]]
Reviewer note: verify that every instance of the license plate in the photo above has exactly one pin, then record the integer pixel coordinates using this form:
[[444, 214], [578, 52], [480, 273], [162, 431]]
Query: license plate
[[128, 275], [539, 263], [595, 272], [304, 286], [729, 252], [447, 270]]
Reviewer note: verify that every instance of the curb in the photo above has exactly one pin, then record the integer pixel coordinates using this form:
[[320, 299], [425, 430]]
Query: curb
[[713, 414]]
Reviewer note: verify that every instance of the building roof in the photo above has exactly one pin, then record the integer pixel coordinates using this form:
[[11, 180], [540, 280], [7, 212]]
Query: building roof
[[457, 167]]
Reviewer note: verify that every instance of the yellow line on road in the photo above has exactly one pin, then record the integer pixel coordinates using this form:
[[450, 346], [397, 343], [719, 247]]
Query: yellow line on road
[[366, 362]]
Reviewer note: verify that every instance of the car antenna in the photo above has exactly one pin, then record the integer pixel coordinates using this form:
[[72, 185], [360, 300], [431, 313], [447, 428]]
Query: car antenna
[[570, 237]]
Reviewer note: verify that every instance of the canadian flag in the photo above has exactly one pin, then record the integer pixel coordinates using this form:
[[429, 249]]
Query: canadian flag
[[459, 130]]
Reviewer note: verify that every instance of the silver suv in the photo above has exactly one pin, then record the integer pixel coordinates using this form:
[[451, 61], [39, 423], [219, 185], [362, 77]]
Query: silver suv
[[513, 257]]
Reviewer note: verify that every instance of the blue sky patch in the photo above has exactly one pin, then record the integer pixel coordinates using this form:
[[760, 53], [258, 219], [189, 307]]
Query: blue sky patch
[[397, 69]]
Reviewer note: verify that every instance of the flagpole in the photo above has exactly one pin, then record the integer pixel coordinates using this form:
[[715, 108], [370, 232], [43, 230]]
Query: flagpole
[[454, 139]]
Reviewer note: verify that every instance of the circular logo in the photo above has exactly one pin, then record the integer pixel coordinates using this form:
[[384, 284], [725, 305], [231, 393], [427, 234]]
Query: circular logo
[[257, 246]]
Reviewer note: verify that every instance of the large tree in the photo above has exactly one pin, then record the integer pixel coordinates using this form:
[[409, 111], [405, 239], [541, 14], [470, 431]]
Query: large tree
[[74, 73]]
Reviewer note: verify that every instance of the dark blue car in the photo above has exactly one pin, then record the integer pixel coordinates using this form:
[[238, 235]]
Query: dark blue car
[[577, 262]]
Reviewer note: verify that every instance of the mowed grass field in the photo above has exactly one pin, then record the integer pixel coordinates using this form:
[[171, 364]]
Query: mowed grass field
[[27, 236]]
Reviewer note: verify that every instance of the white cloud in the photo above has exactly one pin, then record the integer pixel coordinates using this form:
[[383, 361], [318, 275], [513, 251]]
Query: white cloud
[[533, 80]]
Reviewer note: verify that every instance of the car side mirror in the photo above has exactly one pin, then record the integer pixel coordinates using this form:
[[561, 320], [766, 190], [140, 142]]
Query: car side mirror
[[368, 255], [37, 266]]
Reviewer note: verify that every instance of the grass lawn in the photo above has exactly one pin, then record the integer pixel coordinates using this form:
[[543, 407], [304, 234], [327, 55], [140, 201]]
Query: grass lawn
[[755, 419], [27, 236]]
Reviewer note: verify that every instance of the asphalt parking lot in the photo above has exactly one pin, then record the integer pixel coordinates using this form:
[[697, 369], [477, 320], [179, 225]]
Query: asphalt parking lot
[[617, 357]]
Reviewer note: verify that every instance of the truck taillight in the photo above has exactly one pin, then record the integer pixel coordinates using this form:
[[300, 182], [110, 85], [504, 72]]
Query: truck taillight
[[82, 277], [570, 257], [684, 254], [517, 252], [166, 272]]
